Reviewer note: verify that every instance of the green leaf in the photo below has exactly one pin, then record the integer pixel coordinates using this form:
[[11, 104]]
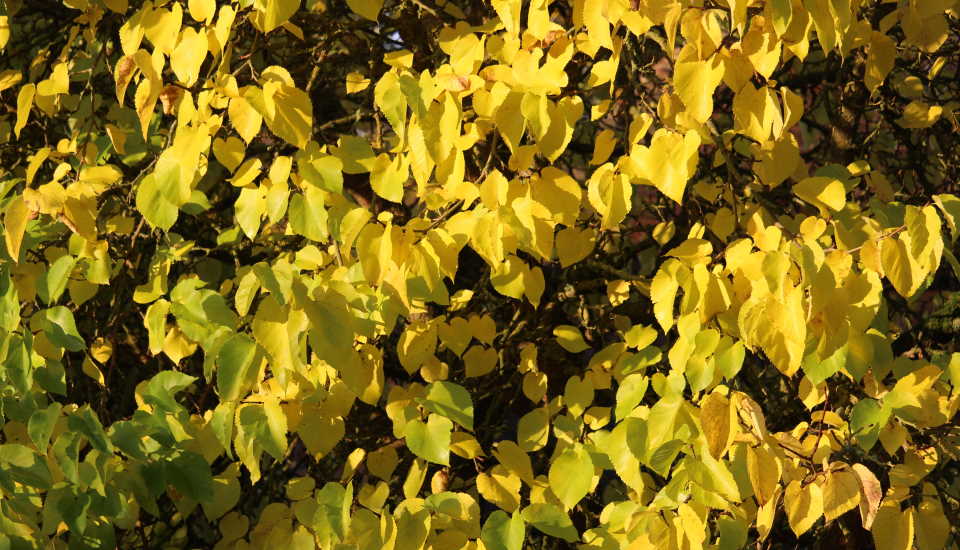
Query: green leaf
[[41, 424], [129, 437], [268, 425], [73, 510], [571, 475], [236, 367], [450, 400], [53, 282], [17, 365], [9, 301], [503, 532], [52, 377], [331, 519], [867, 418], [163, 387], [190, 474], [85, 422], [661, 459], [269, 281], [61, 329], [431, 440], [551, 520], [355, 154], [222, 424], [733, 532], [818, 370]]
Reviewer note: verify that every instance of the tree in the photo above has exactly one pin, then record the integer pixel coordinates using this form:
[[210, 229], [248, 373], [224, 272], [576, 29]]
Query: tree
[[431, 274]]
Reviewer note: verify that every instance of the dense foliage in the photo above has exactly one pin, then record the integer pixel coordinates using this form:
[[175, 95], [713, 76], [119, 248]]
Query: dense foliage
[[443, 274]]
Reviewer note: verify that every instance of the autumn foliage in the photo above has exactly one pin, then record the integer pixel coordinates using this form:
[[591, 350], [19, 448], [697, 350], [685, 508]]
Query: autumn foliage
[[457, 274]]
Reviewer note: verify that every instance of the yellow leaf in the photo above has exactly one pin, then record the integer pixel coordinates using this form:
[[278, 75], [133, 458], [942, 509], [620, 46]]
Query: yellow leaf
[[399, 59], [563, 118], [509, 13], [691, 249], [274, 13], [388, 176], [15, 224], [536, 226], [383, 462], [480, 360], [570, 339], [804, 504], [777, 325], [668, 163], [559, 193], [899, 266], [245, 119], [533, 285], [508, 277], [573, 244], [229, 152], [465, 445], [4, 31], [101, 350], [841, 493], [764, 471], [536, 110], [610, 195], [893, 528], [188, 56], [870, 494], [356, 82], [58, 83], [161, 27], [24, 103], [695, 81], [202, 10], [823, 192], [368, 9], [145, 100], [292, 119], [717, 418], [417, 343], [578, 394], [918, 114], [534, 386], [603, 146], [9, 79], [90, 369], [514, 459], [932, 525], [176, 346], [663, 292], [500, 487], [880, 60]]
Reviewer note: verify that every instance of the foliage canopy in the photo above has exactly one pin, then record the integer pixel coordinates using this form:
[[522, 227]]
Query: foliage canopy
[[436, 274]]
